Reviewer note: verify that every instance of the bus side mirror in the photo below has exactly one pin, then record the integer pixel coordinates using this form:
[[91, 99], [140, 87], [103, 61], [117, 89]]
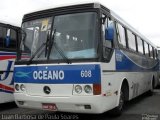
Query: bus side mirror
[[109, 33], [7, 40]]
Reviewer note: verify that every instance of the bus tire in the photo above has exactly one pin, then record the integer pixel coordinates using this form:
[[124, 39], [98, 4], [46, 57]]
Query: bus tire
[[150, 92], [118, 110]]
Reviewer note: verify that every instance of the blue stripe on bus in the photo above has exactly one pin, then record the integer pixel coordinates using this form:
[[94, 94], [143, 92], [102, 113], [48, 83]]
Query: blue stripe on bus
[[5, 91], [124, 62], [7, 53], [73, 74]]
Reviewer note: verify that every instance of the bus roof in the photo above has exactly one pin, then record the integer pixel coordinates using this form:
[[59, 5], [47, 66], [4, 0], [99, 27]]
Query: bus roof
[[8, 24], [50, 11], [85, 6], [62, 6]]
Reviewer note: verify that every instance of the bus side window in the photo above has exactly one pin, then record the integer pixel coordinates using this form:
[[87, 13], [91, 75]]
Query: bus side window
[[131, 40], [120, 31], [109, 33], [146, 49], [11, 39], [108, 29], [155, 53], [3, 32], [140, 45], [151, 51], [8, 38], [1, 38], [13, 36]]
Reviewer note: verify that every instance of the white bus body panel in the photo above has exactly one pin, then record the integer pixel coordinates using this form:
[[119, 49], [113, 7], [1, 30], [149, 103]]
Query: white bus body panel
[[65, 99], [6, 81]]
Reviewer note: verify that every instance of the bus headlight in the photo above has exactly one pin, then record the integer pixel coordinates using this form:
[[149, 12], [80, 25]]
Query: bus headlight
[[88, 89], [78, 89], [17, 87], [22, 87]]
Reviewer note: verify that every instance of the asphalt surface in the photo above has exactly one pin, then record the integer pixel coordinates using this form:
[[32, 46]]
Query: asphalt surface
[[143, 107]]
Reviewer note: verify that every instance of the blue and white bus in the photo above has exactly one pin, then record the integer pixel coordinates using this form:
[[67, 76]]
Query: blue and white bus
[[8, 50], [82, 58]]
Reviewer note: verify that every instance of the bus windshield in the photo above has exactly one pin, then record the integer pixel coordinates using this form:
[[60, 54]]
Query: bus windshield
[[72, 34], [36, 33]]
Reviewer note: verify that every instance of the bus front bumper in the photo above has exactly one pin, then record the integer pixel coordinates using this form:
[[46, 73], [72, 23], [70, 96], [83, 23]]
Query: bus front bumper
[[75, 104]]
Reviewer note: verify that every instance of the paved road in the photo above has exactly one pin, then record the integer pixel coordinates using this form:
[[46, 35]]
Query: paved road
[[146, 107]]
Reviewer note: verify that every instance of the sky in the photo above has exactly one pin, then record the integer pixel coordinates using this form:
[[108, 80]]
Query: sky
[[143, 15]]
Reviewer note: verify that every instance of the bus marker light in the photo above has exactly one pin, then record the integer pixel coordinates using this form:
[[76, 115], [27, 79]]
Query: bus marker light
[[78, 89], [22, 87], [96, 89], [17, 87], [88, 89]]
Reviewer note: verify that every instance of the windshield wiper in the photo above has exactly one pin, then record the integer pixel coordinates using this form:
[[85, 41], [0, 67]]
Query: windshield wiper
[[61, 52], [34, 55], [40, 49]]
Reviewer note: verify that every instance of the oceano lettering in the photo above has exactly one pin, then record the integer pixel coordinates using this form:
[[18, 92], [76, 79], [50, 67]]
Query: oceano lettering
[[48, 75]]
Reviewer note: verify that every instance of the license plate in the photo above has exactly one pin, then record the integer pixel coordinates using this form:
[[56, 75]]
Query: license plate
[[49, 106]]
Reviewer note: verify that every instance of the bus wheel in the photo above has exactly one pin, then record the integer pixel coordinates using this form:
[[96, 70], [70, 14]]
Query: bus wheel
[[150, 92], [118, 110]]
